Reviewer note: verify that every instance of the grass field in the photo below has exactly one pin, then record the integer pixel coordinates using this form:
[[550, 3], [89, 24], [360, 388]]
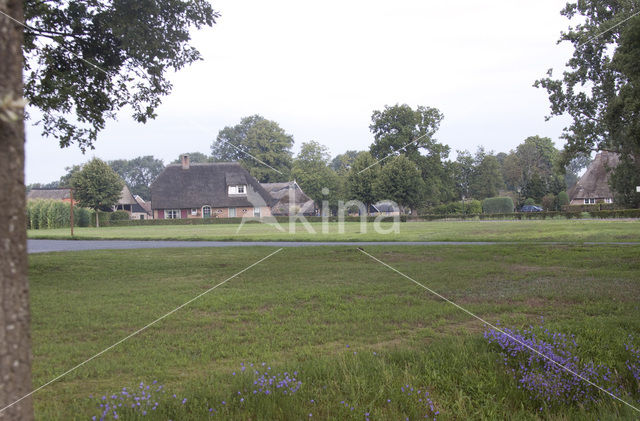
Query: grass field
[[526, 231], [356, 335]]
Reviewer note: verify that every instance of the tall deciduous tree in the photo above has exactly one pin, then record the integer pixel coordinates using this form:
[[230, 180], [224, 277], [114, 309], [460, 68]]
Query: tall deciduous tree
[[400, 181], [487, 178], [399, 129], [462, 173], [194, 158], [98, 56], [264, 140], [395, 127], [312, 173], [599, 92], [96, 186], [343, 162], [15, 341], [138, 173], [361, 179], [623, 117]]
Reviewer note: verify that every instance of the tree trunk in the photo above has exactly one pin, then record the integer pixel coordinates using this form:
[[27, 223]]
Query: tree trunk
[[15, 342]]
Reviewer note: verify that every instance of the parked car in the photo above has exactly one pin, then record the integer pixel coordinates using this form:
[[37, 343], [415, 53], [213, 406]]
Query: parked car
[[531, 208]]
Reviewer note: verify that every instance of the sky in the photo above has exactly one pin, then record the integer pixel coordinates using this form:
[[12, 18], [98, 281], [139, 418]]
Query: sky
[[319, 69]]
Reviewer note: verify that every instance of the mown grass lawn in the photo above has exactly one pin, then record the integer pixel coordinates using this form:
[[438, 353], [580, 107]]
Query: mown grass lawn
[[525, 231], [354, 333]]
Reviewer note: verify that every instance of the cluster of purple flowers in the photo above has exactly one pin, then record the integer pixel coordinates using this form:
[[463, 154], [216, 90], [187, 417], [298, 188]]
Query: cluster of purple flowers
[[545, 378], [633, 364], [266, 382], [257, 380], [423, 399], [142, 400]]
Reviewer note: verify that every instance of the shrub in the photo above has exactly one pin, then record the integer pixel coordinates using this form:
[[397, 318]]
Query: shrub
[[81, 217], [474, 207], [529, 201], [119, 215], [563, 198], [549, 202], [105, 218], [497, 205]]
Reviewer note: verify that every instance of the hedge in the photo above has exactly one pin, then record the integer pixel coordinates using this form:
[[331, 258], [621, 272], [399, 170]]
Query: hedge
[[453, 208], [201, 221], [623, 213], [497, 205], [591, 208]]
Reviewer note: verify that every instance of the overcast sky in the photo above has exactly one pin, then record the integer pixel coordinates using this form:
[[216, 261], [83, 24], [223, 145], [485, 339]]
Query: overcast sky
[[319, 69]]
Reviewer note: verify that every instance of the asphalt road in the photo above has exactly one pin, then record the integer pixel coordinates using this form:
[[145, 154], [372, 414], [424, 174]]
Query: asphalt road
[[45, 246]]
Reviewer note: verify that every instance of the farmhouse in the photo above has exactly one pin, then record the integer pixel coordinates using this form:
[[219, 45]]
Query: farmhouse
[[290, 199], [593, 186], [213, 190], [135, 206]]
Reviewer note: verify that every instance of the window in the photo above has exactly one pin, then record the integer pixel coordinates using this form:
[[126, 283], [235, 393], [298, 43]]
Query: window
[[238, 189], [589, 201], [171, 214], [141, 216], [232, 212], [256, 212], [194, 212], [608, 200], [206, 212]]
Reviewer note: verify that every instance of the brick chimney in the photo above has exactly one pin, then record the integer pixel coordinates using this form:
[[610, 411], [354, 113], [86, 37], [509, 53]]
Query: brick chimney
[[185, 162]]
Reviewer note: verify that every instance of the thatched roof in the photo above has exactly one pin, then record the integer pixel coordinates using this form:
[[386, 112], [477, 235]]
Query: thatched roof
[[49, 194], [206, 184], [126, 198], [288, 195], [594, 183]]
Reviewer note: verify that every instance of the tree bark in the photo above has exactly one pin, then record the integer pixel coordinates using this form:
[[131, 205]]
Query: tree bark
[[15, 341]]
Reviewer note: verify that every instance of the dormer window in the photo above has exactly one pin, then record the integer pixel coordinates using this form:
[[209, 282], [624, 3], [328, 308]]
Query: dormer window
[[238, 189]]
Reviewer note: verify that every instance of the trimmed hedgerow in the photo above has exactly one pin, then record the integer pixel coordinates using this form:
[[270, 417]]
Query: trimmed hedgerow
[[200, 221]]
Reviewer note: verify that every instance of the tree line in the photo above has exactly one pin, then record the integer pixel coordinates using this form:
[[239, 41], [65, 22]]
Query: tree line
[[405, 163]]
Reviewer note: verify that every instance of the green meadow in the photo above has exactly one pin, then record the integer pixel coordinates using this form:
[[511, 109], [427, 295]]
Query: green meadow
[[344, 336], [525, 231]]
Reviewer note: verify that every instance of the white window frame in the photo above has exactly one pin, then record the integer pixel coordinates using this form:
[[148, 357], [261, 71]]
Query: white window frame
[[589, 201], [238, 189], [608, 200], [210, 211], [172, 214], [232, 212], [256, 212], [194, 211]]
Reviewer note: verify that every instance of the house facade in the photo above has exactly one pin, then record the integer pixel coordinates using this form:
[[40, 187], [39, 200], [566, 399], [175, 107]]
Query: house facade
[[212, 190], [593, 186]]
